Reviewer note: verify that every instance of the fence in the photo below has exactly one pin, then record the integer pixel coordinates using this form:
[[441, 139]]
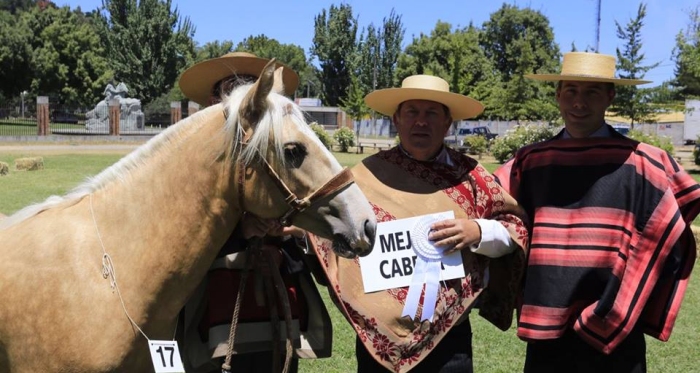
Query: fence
[[42, 118]]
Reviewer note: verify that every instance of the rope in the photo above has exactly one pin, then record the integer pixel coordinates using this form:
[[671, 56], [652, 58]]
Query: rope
[[272, 282], [108, 271], [226, 366], [282, 294]]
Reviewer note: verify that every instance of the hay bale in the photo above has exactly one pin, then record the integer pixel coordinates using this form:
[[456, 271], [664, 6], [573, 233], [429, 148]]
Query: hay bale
[[4, 168], [29, 164]]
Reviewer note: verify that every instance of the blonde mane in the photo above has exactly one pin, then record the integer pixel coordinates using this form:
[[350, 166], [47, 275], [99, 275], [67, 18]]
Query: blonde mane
[[270, 124]]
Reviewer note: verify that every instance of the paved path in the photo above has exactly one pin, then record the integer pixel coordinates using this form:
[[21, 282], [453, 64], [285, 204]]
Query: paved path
[[68, 149]]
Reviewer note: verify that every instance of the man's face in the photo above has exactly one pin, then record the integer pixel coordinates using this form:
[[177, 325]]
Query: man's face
[[583, 104], [422, 126]]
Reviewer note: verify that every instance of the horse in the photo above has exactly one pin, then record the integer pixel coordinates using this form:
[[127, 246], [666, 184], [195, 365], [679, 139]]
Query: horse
[[89, 276]]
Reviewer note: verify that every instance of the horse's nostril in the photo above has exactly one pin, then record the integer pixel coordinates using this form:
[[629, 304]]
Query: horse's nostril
[[370, 231]]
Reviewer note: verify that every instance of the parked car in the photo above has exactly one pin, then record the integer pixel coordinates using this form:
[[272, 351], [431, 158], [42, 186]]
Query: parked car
[[456, 141], [624, 130]]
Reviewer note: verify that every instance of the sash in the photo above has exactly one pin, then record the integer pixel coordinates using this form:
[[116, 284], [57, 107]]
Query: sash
[[399, 187]]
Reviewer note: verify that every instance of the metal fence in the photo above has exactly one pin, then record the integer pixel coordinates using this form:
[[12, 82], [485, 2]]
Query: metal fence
[[65, 120]]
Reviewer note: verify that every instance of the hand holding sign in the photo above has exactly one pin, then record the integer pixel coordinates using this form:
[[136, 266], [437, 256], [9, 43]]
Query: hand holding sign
[[391, 264]]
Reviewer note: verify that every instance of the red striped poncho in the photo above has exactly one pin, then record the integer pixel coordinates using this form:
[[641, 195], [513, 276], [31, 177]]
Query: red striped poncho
[[611, 246]]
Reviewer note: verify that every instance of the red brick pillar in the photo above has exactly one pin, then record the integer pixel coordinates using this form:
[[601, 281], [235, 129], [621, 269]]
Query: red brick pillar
[[175, 112], [114, 116], [192, 107], [42, 115]]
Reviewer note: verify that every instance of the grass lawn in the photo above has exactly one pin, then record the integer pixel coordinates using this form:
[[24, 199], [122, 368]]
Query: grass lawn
[[494, 351]]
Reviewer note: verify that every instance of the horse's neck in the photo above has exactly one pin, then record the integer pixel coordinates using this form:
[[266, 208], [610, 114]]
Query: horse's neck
[[164, 224]]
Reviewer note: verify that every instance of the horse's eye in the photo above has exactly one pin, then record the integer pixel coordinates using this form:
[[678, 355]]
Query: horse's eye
[[294, 154]]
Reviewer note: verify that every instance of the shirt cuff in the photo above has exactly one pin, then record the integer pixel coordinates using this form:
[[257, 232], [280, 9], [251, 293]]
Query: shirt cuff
[[495, 239]]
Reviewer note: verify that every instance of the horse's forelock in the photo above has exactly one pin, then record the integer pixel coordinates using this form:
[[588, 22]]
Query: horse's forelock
[[279, 110]]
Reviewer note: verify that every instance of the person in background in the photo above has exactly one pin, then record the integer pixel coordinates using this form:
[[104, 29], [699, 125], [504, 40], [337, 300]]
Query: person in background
[[421, 176], [209, 313], [611, 248]]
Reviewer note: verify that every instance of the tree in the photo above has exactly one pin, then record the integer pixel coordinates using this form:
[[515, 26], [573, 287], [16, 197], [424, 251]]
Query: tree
[[213, 50], [289, 54], [380, 53], [518, 42], [15, 55], [334, 44], [632, 102], [15, 6], [686, 55], [510, 25], [147, 43], [452, 55], [374, 63], [67, 59]]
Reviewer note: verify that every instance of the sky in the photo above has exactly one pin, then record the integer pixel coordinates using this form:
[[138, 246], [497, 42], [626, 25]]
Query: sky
[[573, 21]]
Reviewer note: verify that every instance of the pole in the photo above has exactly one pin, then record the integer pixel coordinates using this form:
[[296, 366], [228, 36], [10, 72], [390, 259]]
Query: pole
[[374, 87], [597, 27], [23, 94]]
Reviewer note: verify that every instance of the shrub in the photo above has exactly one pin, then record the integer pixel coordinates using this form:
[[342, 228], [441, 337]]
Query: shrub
[[662, 142], [345, 138], [321, 134], [476, 144], [505, 146]]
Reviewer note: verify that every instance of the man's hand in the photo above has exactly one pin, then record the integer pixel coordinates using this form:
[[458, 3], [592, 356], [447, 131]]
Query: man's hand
[[455, 234]]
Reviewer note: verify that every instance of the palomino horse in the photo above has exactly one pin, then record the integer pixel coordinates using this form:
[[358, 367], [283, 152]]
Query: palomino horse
[[86, 277]]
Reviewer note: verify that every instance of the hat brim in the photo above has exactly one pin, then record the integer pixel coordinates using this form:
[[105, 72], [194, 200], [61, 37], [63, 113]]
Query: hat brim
[[197, 82], [386, 101], [585, 78]]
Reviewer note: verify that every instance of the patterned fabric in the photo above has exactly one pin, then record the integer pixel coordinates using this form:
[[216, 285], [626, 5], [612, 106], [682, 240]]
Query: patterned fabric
[[400, 187], [208, 314], [611, 247]]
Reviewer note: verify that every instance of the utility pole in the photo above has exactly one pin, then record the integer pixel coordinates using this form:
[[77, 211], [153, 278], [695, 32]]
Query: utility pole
[[374, 87], [597, 27]]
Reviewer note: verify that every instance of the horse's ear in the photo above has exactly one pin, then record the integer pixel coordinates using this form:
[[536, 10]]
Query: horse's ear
[[255, 102], [278, 85]]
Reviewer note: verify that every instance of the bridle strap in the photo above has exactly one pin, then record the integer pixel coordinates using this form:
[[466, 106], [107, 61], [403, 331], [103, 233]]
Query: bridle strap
[[296, 204]]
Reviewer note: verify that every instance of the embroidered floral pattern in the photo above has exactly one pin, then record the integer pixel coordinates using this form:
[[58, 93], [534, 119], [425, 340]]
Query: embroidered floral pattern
[[477, 194]]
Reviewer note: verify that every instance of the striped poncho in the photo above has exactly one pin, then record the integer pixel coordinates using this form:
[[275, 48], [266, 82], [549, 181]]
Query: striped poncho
[[611, 246]]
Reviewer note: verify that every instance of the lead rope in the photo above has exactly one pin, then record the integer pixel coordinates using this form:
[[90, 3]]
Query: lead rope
[[249, 260], [284, 297], [274, 283]]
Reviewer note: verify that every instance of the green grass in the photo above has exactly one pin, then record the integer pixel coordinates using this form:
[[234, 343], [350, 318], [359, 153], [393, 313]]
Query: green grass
[[494, 351]]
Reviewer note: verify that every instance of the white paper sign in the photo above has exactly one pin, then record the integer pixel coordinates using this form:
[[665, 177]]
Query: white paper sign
[[166, 357], [391, 262]]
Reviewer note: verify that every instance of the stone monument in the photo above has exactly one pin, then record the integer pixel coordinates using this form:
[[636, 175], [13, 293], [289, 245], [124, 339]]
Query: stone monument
[[131, 117]]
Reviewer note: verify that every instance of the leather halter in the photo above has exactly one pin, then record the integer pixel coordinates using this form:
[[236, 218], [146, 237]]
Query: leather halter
[[296, 205]]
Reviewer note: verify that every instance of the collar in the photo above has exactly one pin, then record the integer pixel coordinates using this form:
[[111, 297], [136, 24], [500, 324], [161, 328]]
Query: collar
[[603, 131], [442, 157]]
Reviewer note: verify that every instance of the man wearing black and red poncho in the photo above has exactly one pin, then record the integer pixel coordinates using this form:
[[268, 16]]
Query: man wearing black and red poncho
[[611, 247]]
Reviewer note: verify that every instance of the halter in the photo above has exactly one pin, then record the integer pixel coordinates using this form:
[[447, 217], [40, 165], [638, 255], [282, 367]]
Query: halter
[[296, 205]]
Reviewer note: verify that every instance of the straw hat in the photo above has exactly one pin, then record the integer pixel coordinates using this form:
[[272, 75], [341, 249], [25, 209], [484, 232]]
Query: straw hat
[[198, 81], [587, 67], [424, 87]]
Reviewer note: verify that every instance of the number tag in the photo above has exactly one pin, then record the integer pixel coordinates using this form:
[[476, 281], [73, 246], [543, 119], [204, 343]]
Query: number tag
[[166, 357]]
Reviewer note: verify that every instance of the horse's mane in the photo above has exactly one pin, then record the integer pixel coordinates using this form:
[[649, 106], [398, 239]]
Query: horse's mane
[[267, 126]]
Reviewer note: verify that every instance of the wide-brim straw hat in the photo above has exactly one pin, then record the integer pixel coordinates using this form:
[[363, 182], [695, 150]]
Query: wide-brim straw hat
[[587, 67], [424, 87], [197, 82]]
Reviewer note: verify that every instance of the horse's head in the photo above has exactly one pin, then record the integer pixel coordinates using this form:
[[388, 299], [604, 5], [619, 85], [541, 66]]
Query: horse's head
[[287, 173]]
